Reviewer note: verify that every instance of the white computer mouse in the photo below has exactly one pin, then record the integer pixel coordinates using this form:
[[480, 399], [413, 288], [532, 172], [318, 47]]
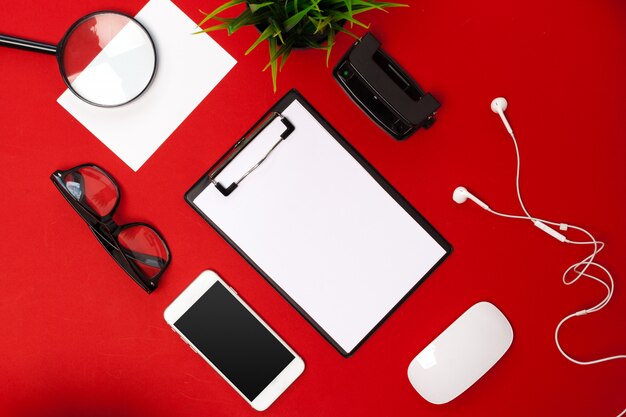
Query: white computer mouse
[[462, 354]]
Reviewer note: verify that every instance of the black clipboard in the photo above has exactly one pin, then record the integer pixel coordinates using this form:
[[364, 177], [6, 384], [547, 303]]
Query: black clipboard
[[209, 178]]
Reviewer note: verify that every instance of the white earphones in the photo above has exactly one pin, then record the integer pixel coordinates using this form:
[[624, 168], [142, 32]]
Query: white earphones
[[461, 195], [498, 106], [578, 269]]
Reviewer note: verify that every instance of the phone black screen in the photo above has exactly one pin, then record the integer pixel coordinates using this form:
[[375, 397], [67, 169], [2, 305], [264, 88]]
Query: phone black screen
[[235, 342]]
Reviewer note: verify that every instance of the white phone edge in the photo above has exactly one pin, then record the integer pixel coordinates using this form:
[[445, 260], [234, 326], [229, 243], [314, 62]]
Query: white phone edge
[[190, 295]]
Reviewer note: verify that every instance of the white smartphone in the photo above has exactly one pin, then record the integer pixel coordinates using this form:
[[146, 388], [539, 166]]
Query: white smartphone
[[220, 327]]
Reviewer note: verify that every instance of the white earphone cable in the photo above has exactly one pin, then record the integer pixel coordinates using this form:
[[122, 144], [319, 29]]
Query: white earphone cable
[[517, 175], [574, 272], [586, 263]]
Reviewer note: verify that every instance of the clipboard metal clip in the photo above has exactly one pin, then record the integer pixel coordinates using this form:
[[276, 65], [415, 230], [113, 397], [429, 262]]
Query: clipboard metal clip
[[241, 144]]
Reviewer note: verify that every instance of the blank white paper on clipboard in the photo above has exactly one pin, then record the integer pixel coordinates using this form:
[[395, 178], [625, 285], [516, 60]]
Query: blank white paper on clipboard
[[317, 223]]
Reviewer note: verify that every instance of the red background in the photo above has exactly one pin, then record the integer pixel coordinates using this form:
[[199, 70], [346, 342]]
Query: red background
[[78, 337]]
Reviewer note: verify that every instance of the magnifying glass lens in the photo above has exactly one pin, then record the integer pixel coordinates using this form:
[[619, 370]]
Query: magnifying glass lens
[[107, 59]]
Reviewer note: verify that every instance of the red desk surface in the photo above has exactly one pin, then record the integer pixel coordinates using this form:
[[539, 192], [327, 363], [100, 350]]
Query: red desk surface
[[79, 338]]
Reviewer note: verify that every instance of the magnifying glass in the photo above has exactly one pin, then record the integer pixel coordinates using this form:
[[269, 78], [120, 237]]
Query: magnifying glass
[[106, 58]]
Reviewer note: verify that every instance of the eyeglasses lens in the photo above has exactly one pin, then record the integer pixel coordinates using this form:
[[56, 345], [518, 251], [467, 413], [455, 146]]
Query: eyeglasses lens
[[93, 189], [144, 248]]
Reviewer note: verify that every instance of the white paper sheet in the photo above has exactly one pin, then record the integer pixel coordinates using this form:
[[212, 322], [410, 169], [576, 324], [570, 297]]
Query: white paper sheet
[[314, 220], [188, 68]]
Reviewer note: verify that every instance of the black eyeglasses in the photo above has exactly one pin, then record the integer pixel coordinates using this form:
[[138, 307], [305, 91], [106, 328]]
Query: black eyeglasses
[[137, 247]]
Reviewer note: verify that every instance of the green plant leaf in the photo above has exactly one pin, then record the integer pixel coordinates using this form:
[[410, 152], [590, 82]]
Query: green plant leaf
[[364, 6], [256, 6], [281, 52], [331, 42], [274, 64], [246, 18], [354, 20], [296, 18], [264, 35], [212, 28], [277, 29], [341, 29], [220, 9], [348, 4], [284, 57], [321, 24]]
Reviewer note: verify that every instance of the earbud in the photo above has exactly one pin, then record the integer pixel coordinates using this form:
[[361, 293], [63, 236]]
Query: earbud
[[460, 196], [499, 105]]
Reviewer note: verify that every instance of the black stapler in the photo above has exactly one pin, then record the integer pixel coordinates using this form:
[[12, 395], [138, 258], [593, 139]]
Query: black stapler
[[383, 89]]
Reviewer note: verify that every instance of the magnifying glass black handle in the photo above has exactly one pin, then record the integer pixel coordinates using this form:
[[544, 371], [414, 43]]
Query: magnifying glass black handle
[[28, 45]]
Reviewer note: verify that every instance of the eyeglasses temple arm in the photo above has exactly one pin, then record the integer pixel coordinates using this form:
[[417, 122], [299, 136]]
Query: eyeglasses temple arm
[[149, 260]]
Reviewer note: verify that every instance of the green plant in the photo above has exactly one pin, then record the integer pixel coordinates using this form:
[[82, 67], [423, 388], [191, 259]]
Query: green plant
[[288, 24]]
